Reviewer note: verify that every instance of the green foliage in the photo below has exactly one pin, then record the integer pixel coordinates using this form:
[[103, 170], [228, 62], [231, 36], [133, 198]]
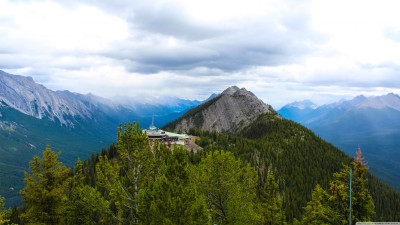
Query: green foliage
[[31, 136], [271, 203], [79, 207], [254, 181], [302, 160], [14, 216], [3, 213], [45, 193], [316, 211], [171, 198], [123, 179], [333, 208], [230, 188], [362, 205]]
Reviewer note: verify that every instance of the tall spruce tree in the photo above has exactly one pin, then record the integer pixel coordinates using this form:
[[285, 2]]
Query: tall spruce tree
[[334, 208], [45, 193], [363, 208], [271, 203], [123, 179], [317, 212], [171, 198], [79, 209], [230, 188]]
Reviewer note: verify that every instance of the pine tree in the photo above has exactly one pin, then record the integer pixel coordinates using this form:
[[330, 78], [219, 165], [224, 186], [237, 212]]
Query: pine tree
[[45, 193], [230, 188], [14, 217], [171, 198], [362, 209], [317, 212], [271, 202], [124, 178], [3, 213], [79, 209]]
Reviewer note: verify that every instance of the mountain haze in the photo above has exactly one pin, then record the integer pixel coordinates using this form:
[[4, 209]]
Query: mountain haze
[[32, 116], [373, 123]]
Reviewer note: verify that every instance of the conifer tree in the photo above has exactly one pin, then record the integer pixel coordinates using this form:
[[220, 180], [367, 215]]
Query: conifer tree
[[362, 204], [317, 212], [3, 212], [79, 209], [14, 216], [171, 199], [230, 188], [271, 202], [45, 193], [363, 209], [124, 178]]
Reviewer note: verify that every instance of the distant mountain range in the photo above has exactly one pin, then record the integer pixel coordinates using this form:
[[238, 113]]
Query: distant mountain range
[[32, 116], [373, 123]]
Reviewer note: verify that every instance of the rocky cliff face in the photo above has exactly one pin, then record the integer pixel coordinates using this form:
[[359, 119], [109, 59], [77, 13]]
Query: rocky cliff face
[[30, 98], [232, 110]]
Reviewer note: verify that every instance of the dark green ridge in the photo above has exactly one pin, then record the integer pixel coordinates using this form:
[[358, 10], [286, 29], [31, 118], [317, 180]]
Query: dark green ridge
[[300, 159]]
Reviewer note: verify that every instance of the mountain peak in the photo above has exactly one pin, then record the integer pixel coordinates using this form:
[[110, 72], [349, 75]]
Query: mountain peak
[[33, 99], [230, 90], [389, 100], [301, 104], [230, 112]]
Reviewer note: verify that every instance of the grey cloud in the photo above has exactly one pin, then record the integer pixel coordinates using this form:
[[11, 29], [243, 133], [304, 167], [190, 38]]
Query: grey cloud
[[250, 43]]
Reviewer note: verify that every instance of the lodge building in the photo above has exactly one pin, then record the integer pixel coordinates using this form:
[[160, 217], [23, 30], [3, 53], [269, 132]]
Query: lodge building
[[154, 133]]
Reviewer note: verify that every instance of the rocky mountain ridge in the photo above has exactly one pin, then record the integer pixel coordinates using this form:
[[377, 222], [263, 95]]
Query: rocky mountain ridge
[[229, 112], [30, 98], [70, 109]]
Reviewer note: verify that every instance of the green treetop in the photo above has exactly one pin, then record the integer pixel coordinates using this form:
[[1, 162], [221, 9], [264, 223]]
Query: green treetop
[[230, 188], [271, 206], [3, 212], [45, 193], [334, 208]]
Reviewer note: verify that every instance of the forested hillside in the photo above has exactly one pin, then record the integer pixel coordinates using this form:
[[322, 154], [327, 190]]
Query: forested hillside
[[301, 161], [261, 176]]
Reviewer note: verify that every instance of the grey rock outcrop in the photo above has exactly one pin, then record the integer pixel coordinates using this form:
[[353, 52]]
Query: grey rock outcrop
[[231, 111], [27, 96]]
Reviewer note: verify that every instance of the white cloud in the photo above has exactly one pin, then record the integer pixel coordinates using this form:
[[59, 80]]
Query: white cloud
[[282, 50], [46, 26]]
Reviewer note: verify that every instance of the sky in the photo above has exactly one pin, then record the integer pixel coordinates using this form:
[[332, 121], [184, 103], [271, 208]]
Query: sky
[[282, 51]]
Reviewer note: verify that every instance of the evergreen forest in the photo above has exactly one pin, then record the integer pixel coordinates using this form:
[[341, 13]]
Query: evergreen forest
[[274, 171]]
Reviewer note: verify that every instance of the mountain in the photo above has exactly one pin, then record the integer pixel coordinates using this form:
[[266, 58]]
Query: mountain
[[372, 123], [297, 110], [230, 111], [299, 158], [32, 116], [157, 106], [64, 107]]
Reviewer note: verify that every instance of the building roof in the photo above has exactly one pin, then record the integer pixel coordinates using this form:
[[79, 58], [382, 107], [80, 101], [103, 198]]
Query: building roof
[[180, 136]]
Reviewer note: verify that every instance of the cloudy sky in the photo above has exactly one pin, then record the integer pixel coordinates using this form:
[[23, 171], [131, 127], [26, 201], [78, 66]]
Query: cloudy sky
[[281, 50]]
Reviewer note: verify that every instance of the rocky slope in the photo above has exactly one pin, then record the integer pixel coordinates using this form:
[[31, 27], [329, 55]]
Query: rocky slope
[[230, 111], [30, 98]]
